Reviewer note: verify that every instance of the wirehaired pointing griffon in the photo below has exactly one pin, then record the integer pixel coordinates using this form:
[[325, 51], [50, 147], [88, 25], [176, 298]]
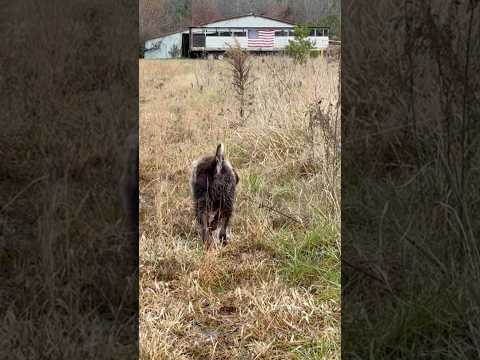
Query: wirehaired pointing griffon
[[213, 183]]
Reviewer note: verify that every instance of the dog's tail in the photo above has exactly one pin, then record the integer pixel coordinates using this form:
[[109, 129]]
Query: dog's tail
[[219, 156]]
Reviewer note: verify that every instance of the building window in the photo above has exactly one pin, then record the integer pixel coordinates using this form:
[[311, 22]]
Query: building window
[[291, 33], [198, 40], [312, 32], [239, 33], [225, 33], [281, 33], [212, 33]]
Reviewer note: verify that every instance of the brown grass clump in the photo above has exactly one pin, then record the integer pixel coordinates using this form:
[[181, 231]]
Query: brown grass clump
[[273, 291]]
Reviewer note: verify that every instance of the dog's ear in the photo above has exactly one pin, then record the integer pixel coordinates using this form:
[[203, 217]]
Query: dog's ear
[[219, 156]]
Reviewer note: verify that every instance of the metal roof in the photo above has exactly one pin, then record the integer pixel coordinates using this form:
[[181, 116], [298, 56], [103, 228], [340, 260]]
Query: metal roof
[[241, 16], [183, 29], [168, 34]]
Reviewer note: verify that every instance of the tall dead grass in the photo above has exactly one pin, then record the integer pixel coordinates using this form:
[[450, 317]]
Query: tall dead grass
[[273, 292], [410, 181], [68, 282]]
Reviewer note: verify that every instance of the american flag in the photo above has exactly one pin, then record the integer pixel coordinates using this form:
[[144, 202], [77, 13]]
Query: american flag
[[261, 38]]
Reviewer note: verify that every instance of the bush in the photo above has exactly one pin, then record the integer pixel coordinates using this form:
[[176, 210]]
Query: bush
[[240, 65], [300, 47]]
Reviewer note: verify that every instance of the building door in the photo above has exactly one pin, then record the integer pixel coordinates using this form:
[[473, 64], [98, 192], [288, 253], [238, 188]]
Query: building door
[[185, 45]]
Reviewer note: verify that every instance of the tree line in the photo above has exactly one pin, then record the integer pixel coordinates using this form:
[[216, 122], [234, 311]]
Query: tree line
[[158, 17]]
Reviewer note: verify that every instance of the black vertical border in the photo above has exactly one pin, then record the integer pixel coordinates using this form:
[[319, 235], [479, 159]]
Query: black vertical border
[[69, 172], [410, 249]]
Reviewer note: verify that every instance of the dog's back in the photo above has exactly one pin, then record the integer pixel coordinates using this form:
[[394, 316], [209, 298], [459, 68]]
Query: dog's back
[[208, 178], [213, 185], [202, 175]]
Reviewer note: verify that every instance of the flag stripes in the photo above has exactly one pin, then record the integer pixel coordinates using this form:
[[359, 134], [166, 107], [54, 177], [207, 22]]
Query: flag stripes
[[261, 38]]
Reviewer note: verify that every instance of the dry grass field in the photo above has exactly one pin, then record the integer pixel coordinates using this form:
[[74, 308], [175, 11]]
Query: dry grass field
[[274, 291]]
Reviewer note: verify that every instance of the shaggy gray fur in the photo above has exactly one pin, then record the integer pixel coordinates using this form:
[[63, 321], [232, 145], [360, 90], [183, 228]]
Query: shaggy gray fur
[[213, 186]]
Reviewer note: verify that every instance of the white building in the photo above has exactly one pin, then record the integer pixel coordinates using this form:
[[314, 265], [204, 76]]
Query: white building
[[164, 47], [252, 32]]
